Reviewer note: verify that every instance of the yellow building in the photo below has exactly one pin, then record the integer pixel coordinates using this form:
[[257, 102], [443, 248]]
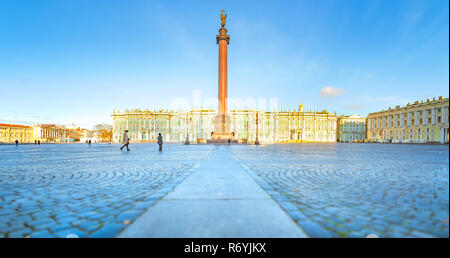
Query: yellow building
[[56, 133], [249, 126], [9, 133], [420, 122]]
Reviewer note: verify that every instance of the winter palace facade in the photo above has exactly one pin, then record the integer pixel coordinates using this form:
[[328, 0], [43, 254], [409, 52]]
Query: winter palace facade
[[247, 126]]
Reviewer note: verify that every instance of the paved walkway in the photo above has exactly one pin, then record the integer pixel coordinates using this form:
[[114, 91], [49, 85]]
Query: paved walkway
[[219, 199]]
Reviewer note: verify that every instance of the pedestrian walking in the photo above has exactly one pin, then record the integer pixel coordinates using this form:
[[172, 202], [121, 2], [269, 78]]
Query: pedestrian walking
[[160, 142], [17, 142], [125, 140], [39, 142]]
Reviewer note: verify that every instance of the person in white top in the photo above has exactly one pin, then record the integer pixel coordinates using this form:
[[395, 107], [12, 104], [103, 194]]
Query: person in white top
[[125, 140]]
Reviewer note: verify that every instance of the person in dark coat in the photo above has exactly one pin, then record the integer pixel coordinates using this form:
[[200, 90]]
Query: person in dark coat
[[17, 142], [160, 142]]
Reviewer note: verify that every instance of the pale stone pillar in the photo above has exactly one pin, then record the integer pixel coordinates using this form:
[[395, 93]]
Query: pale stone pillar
[[425, 116], [433, 116], [416, 118], [444, 115]]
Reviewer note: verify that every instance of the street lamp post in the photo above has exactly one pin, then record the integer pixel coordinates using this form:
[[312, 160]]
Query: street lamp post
[[186, 142], [257, 129]]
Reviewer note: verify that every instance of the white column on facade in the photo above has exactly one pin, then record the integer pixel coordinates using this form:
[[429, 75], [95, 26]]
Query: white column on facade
[[444, 115], [289, 127], [315, 128], [416, 117], [433, 116], [425, 116]]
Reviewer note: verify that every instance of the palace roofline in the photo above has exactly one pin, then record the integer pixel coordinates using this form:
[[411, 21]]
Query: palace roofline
[[15, 125], [414, 105], [169, 112]]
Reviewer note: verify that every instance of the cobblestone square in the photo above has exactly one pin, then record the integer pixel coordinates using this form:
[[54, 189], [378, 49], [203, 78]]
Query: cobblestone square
[[352, 190], [329, 190], [54, 190]]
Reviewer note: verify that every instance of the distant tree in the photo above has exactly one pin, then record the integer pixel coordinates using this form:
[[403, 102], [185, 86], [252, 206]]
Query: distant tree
[[99, 127], [103, 132]]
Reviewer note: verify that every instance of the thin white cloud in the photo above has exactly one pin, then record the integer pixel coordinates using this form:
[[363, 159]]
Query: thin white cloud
[[330, 92]]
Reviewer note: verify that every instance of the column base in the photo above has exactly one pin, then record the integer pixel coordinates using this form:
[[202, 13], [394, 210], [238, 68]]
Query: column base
[[222, 127], [222, 139]]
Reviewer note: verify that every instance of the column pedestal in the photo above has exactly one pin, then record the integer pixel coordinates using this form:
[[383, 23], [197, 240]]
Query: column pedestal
[[222, 129]]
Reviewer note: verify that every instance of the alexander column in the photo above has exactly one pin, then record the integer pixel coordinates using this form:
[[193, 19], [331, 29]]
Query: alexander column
[[222, 122]]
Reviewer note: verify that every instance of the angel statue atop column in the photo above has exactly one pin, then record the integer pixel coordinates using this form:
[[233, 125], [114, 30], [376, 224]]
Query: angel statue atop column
[[223, 17]]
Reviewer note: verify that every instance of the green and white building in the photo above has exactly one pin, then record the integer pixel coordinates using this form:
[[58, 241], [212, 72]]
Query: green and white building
[[351, 128]]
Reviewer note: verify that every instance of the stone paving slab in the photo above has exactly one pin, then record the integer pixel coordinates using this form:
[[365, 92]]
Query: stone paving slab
[[221, 179], [213, 219], [219, 199]]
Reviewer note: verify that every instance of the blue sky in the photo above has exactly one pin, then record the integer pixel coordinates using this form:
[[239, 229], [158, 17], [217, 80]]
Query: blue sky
[[76, 61]]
